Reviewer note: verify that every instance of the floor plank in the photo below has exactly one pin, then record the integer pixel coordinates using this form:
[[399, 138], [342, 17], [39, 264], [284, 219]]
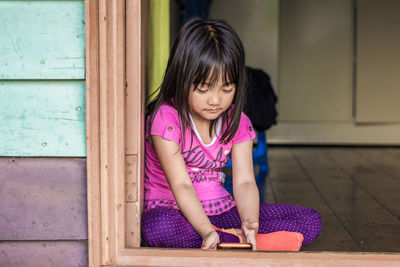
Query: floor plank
[[269, 195], [383, 187], [291, 186], [356, 190], [370, 224], [385, 159]]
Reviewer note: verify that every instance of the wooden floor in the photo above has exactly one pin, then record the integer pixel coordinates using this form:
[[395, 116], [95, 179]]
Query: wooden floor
[[356, 190]]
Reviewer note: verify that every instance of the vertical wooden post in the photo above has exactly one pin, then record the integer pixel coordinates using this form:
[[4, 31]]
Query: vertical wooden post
[[92, 130], [136, 40], [105, 44]]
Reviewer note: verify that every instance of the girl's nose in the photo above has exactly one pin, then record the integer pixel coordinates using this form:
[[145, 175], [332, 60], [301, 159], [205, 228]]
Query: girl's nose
[[213, 99]]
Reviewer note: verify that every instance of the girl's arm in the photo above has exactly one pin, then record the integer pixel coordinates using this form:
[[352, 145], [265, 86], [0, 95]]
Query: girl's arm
[[175, 171], [245, 189]]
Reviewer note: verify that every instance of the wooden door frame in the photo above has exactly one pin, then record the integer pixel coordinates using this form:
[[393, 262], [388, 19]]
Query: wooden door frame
[[115, 85]]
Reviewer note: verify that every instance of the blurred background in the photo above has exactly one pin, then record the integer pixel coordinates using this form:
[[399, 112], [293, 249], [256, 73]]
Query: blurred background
[[333, 64]]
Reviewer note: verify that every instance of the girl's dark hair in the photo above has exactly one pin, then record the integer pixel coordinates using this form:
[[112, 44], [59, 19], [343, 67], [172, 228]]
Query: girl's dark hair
[[202, 52]]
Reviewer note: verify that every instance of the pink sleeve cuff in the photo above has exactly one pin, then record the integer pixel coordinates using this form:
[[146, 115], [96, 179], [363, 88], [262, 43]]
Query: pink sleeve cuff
[[245, 131], [166, 124]]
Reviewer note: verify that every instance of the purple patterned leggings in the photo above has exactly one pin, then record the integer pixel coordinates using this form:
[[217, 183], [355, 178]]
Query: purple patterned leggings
[[165, 227]]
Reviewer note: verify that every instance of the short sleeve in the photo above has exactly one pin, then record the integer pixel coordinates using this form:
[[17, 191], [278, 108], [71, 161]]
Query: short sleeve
[[245, 131], [166, 124]]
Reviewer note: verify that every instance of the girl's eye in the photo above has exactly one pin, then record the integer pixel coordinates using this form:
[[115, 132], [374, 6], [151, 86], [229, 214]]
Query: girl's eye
[[201, 91], [228, 90]]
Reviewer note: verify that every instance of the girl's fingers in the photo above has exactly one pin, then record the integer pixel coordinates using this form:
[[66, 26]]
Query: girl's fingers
[[251, 238], [209, 245], [212, 247], [205, 246], [250, 230]]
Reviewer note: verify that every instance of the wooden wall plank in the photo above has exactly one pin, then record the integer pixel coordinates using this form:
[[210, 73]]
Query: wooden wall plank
[[44, 253], [42, 118], [42, 40], [42, 199]]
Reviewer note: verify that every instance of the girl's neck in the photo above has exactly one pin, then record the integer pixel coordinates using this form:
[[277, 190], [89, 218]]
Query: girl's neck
[[202, 127], [200, 122]]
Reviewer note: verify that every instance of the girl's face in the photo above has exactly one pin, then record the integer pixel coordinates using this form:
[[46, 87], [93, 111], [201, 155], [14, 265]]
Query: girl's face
[[208, 101]]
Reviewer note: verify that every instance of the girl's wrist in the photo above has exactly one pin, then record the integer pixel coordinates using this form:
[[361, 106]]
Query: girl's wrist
[[206, 233]]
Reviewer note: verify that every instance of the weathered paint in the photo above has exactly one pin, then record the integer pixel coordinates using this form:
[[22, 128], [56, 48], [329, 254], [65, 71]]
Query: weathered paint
[[40, 118], [42, 40], [42, 199], [43, 207], [41, 254]]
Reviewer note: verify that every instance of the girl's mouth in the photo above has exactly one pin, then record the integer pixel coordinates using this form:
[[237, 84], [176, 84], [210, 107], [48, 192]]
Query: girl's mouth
[[212, 110]]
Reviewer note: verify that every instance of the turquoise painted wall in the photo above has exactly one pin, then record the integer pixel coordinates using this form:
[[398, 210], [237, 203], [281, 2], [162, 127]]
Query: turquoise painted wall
[[42, 72]]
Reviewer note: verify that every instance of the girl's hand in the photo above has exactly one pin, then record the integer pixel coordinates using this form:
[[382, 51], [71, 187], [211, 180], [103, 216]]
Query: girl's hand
[[210, 241], [250, 230]]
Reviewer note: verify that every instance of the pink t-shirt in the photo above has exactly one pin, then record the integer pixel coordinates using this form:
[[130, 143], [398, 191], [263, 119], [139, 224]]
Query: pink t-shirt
[[204, 162]]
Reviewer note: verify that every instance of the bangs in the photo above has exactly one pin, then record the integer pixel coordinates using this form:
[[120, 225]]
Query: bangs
[[211, 68]]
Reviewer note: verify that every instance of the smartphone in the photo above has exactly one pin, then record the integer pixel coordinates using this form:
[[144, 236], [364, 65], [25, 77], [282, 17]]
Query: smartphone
[[227, 245]]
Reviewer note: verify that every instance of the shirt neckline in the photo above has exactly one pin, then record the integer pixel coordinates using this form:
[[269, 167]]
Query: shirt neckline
[[198, 135]]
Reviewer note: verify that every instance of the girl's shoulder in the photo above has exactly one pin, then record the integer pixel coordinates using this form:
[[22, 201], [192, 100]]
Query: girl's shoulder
[[166, 123], [166, 113], [245, 130], [244, 119], [167, 107]]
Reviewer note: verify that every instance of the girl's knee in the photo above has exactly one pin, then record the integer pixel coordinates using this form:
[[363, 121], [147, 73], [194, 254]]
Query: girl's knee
[[316, 219], [165, 228], [155, 228], [314, 215], [313, 225]]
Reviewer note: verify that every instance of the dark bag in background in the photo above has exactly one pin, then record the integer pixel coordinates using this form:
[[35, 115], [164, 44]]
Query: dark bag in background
[[261, 100]]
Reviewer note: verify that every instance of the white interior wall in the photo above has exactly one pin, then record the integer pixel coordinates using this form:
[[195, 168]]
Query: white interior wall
[[256, 22]]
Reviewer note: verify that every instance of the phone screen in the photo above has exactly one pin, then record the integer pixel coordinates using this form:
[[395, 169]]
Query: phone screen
[[245, 246]]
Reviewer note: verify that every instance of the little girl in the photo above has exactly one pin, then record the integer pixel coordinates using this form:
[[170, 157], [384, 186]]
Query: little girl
[[195, 122]]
